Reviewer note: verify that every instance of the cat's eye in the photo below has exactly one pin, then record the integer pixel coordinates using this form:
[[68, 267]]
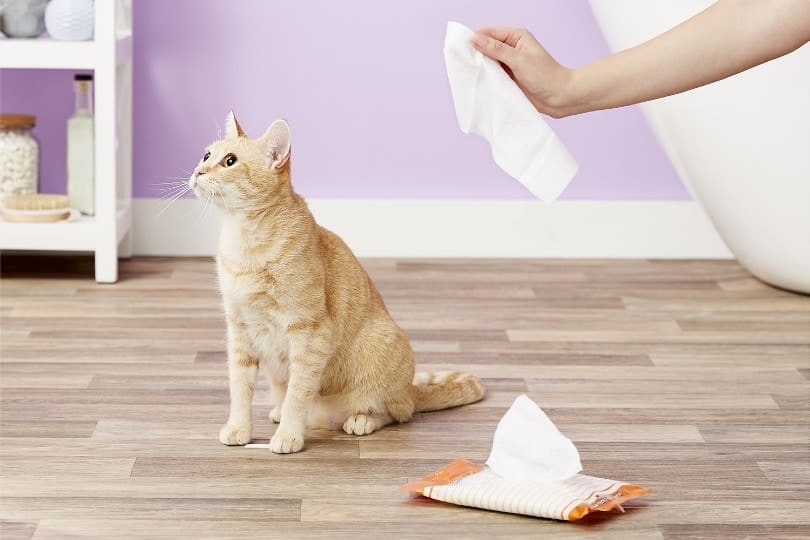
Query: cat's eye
[[229, 160], [206, 156]]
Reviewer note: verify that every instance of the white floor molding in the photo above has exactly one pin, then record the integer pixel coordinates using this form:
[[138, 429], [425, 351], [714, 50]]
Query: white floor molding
[[451, 228]]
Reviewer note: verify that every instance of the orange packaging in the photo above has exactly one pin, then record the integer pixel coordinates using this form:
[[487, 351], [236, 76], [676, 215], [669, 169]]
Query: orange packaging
[[465, 483]]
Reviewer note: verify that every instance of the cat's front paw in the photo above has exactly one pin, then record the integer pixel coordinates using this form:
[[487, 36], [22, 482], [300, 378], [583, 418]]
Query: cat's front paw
[[275, 415], [284, 442], [234, 435]]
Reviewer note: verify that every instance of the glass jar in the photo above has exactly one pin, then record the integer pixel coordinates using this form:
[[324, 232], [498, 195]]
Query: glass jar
[[19, 155]]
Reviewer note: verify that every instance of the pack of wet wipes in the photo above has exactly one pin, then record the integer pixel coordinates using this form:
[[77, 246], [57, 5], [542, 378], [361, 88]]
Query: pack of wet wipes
[[533, 469]]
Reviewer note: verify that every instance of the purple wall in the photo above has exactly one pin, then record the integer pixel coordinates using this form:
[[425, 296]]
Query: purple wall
[[363, 85]]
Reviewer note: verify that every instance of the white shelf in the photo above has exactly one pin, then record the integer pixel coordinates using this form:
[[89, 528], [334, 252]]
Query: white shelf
[[46, 53], [109, 55], [78, 235]]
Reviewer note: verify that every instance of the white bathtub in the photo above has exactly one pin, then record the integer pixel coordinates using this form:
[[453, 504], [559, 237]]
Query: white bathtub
[[742, 145]]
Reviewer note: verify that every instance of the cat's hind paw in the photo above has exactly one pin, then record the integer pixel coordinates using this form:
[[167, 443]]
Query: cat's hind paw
[[362, 424]]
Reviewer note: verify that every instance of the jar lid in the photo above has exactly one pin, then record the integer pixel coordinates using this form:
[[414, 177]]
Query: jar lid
[[17, 121]]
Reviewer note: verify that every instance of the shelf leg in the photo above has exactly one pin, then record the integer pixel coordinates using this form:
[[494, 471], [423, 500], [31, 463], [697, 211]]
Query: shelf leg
[[106, 154], [106, 265]]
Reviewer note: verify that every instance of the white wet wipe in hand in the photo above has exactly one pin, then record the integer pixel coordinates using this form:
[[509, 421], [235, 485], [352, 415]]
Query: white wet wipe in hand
[[489, 103]]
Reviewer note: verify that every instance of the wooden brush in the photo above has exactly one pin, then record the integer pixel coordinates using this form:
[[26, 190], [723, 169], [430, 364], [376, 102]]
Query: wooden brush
[[35, 208]]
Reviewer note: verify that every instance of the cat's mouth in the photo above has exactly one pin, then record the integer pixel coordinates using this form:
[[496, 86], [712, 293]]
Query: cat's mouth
[[197, 179], [208, 191], [200, 188], [200, 183]]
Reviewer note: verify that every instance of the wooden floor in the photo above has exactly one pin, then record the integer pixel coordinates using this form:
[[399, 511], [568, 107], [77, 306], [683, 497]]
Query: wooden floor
[[688, 377]]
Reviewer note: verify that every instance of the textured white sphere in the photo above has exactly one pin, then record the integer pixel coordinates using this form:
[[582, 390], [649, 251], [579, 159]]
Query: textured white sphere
[[70, 20]]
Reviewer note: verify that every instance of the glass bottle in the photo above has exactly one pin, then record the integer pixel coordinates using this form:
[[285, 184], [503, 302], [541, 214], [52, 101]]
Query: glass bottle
[[81, 148]]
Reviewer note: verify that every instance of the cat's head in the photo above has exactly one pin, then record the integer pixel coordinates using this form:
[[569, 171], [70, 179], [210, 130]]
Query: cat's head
[[240, 174]]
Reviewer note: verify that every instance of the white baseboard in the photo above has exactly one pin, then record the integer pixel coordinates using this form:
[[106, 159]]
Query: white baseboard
[[451, 228]]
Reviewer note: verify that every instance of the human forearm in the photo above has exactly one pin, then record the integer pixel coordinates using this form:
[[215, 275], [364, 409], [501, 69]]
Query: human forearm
[[727, 38]]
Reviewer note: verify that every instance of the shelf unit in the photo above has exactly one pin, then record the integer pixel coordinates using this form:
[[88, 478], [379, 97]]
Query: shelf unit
[[109, 55]]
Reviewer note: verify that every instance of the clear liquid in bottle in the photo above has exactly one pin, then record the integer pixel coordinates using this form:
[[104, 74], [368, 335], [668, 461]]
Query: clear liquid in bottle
[[81, 149]]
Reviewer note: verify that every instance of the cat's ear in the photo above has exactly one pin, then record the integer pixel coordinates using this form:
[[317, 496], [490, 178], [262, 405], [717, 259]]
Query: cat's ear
[[232, 127], [276, 141]]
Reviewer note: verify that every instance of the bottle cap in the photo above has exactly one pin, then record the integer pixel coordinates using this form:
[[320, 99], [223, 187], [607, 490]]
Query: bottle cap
[[17, 121]]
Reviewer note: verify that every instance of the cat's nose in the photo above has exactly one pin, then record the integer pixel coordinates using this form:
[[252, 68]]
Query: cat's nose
[[192, 182]]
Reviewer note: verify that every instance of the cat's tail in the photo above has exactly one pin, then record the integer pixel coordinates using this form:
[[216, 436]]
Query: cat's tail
[[444, 389]]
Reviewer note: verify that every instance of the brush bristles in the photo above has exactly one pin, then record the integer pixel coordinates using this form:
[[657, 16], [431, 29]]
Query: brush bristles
[[36, 201]]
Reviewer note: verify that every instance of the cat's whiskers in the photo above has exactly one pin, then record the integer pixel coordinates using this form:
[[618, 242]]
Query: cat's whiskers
[[171, 182], [178, 181], [166, 187], [172, 178], [167, 206], [173, 198], [170, 192]]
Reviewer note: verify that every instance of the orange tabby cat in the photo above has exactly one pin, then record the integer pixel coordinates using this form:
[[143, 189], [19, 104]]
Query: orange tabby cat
[[299, 306]]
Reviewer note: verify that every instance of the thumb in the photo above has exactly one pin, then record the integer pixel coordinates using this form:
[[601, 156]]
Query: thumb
[[493, 48]]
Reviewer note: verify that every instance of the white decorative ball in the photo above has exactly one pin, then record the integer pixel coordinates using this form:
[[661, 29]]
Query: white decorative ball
[[70, 20]]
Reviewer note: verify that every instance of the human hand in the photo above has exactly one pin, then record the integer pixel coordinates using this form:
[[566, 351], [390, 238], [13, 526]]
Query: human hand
[[542, 79]]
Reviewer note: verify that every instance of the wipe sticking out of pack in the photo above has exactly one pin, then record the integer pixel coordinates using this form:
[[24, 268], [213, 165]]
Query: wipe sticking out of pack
[[488, 103], [527, 446], [532, 470]]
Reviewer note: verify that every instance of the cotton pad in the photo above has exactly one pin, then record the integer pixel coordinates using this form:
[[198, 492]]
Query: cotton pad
[[488, 103]]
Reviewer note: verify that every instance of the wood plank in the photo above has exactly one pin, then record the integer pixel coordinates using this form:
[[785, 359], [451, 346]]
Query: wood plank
[[57, 466], [519, 528], [38, 427], [47, 380], [741, 433], [532, 358], [734, 531], [785, 472], [754, 418], [188, 488], [169, 508]]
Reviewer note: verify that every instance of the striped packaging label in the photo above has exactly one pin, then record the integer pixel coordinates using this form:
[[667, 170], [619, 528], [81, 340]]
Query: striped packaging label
[[467, 484]]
